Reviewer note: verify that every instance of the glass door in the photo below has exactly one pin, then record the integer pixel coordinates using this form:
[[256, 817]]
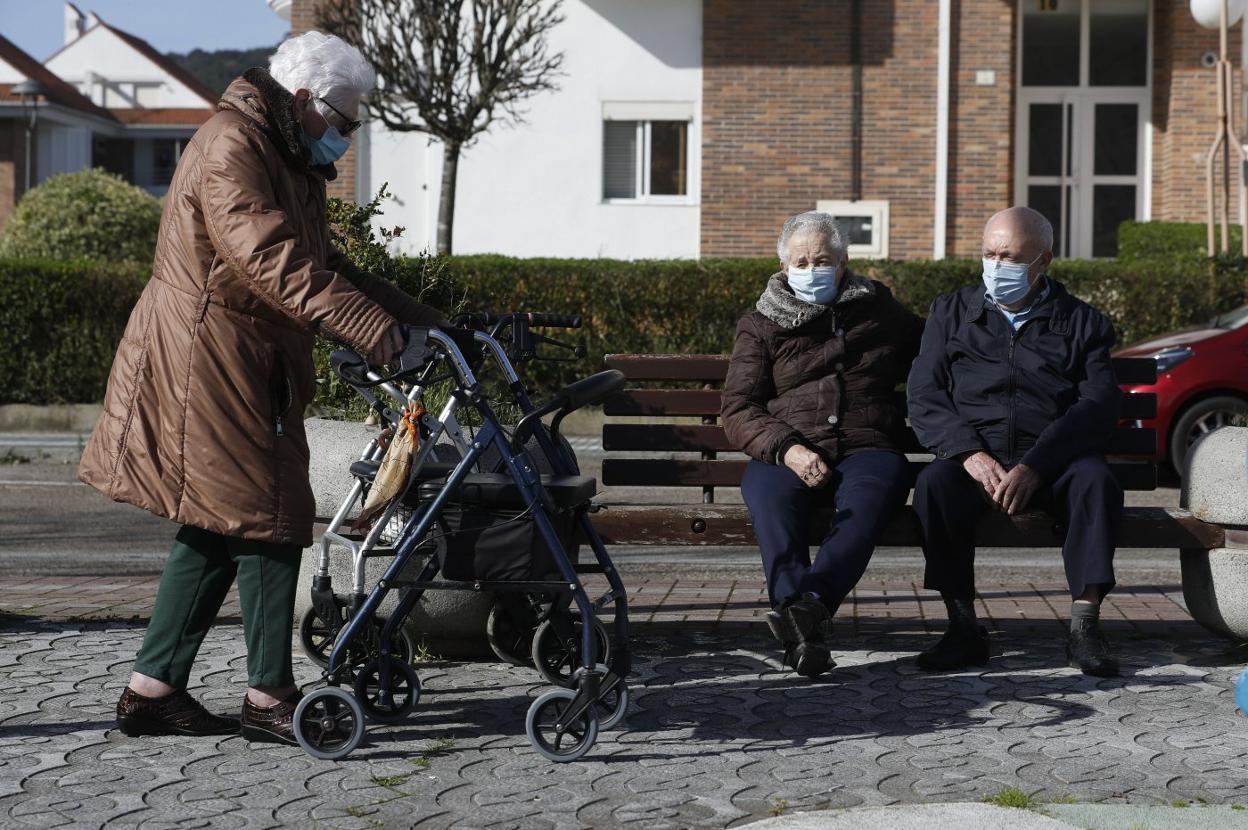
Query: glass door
[[1082, 117]]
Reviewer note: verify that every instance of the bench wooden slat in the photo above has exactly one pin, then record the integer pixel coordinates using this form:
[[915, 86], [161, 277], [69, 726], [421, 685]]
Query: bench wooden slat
[[684, 402], [1138, 406], [711, 438], [729, 524], [713, 367], [663, 402], [672, 472]]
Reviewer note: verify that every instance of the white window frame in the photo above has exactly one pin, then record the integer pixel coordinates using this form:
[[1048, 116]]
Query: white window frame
[[646, 114], [876, 211]]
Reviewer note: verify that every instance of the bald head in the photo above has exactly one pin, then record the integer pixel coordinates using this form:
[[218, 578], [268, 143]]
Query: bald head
[[1018, 230], [1019, 236]]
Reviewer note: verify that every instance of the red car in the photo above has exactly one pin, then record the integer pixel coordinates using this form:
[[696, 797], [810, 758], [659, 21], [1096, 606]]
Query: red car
[[1202, 381]]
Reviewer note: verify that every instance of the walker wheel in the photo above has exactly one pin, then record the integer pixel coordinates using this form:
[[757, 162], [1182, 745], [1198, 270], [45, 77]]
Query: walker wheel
[[556, 661], [609, 709], [550, 736], [329, 723], [404, 692], [510, 639], [316, 635]]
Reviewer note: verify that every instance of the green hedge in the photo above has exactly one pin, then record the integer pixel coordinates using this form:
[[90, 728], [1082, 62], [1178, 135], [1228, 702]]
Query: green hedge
[[1150, 240], [692, 306], [60, 323]]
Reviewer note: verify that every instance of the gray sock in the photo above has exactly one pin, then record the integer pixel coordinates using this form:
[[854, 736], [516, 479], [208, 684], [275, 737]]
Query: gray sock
[[1084, 614]]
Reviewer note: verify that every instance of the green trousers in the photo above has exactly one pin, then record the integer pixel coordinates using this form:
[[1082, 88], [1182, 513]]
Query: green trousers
[[198, 574]]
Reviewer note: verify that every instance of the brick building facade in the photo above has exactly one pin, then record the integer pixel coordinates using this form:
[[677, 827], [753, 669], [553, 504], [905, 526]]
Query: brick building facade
[[1123, 78]]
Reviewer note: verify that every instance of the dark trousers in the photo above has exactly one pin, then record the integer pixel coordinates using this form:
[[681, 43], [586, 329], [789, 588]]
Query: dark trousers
[[1085, 497], [866, 488], [197, 577]]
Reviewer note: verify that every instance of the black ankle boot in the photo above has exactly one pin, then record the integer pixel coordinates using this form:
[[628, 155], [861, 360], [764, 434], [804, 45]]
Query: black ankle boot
[[1088, 650], [809, 622], [959, 648]]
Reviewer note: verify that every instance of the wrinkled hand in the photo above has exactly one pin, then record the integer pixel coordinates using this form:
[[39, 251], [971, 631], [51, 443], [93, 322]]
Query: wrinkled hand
[[986, 470], [387, 348], [1017, 489], [808, 465]]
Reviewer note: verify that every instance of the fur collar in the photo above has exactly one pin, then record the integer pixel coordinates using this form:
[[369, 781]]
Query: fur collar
[[272, 106], [779, 305]]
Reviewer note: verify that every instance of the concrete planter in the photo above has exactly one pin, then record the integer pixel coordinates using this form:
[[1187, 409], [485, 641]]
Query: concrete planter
[[1215, 489], [447, 623]]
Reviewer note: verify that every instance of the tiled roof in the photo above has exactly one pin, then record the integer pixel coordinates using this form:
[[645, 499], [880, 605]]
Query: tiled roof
[[186, 78], [59, 92], [173, 116]]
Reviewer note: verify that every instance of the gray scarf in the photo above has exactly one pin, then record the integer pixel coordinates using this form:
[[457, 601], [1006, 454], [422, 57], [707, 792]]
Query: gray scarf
[[779, 305]]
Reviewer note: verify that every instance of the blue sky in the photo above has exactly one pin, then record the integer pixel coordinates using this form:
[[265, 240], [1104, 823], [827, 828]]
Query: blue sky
[[37, 26]]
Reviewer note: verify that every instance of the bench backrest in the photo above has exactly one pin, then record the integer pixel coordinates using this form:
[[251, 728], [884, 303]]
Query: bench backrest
[[708, 440]]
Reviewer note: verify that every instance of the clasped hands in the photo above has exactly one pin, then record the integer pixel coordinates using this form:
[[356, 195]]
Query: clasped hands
[[808, 465], [1010, 491]]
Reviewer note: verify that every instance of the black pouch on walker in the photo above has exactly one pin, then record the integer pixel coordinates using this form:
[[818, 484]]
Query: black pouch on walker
[[488, 534]]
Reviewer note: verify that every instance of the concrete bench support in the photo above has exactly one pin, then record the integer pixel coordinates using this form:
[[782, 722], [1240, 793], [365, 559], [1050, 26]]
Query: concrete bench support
[[447, 623], [1215, 489]]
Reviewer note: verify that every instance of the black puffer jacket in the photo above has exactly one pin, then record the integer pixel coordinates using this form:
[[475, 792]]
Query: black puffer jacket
[[829, 382], [1041, 397]]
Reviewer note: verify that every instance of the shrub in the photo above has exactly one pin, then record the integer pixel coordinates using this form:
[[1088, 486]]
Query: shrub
[[89, 214], [60, 323], [1145, 240]]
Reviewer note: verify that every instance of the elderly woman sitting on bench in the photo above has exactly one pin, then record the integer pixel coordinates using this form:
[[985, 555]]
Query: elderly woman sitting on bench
[[812, 397]]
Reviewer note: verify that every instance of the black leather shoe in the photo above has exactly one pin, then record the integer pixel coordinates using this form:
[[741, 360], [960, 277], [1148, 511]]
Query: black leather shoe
[[173, 714], [959, 648], [780, 628], [271, 724], [809, 623], [1088, 650]]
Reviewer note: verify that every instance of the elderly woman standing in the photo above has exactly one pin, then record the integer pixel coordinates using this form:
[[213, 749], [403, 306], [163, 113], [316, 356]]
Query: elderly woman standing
[[811, 396], [203, 417]]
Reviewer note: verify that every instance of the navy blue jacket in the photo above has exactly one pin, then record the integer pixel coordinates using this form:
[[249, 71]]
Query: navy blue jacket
[[1043, 396]]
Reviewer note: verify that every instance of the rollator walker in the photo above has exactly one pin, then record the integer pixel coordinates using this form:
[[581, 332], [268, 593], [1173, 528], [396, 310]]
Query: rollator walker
[[480, 513]]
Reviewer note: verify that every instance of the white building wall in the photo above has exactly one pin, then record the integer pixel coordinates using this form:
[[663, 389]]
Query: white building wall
[[535, 189], [111, 73]]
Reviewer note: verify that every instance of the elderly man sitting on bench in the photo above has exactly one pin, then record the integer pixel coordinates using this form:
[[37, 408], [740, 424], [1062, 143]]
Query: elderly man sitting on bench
[[1014, 392]]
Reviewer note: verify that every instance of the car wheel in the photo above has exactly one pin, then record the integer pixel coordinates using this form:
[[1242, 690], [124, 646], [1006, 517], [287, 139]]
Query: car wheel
[[1200, 419]]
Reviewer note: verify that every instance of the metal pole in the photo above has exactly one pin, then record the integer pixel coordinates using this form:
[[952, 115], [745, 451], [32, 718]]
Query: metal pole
[[29, 129]]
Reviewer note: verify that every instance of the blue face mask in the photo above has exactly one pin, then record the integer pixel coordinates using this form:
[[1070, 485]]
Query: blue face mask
[[818, 285], [328, 148], [1007, 282]]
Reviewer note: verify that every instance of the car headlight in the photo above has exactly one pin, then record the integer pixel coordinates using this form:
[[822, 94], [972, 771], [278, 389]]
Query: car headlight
[[1169, 358]]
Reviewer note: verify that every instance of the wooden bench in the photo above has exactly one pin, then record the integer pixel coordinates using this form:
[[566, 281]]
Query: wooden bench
[[711, 523]]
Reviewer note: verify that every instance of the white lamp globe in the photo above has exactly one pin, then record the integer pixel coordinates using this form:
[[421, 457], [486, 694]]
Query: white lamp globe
[[1208, 13]]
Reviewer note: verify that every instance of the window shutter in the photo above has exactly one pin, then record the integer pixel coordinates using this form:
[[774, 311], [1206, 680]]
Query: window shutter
[[619, 159]]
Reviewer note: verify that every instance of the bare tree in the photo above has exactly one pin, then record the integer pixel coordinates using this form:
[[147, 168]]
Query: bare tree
[[450, 68]]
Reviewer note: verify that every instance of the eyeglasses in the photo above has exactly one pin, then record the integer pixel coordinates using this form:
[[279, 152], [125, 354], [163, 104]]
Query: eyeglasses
[[352, 126]]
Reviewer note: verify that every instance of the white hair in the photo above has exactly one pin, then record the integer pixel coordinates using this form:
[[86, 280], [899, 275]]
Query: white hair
[[325, 65], [812, 221]]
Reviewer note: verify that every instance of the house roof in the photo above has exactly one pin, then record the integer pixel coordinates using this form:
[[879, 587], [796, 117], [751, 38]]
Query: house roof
[[162, 116], [59, 92], [177, 72]]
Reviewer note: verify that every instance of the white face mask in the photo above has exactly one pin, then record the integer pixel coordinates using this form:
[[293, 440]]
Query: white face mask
[[818, 285], [1007, 282]]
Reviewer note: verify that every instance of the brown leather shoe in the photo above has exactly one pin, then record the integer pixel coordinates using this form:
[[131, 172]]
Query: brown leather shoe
[[272, 724], [173, 714]]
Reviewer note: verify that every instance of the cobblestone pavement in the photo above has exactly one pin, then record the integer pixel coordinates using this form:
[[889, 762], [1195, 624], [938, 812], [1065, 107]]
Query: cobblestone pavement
[[717, 735]]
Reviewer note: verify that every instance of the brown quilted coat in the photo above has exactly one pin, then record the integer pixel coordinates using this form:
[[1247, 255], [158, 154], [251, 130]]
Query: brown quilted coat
[[203, 415], [830, 383]]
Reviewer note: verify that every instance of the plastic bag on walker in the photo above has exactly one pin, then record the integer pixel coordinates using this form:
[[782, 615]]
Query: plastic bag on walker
[[396, 466]]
